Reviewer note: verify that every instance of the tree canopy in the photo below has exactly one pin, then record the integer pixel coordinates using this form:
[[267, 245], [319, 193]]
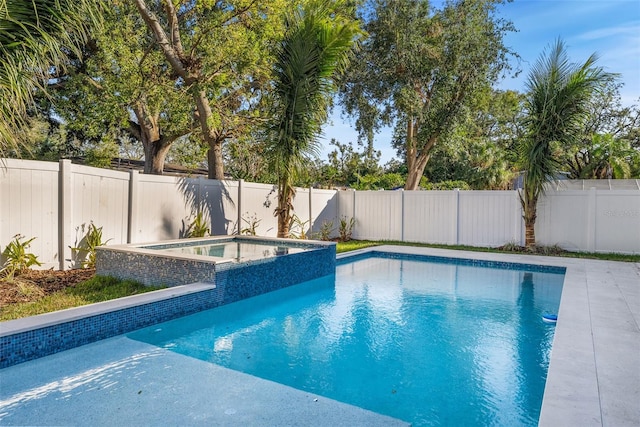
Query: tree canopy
[[420, 68]]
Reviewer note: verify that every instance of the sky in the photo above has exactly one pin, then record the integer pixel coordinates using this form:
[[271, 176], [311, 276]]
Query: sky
[[609, 28]]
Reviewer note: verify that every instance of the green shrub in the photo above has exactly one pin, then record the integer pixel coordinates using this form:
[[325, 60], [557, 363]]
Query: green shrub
[[17, 257]]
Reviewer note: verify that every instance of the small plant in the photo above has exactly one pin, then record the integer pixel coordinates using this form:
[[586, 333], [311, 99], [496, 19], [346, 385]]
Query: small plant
[[89, 243], [346, 228], [252, 224], [325, 230], [17, 257], [296, 228], [198, 227]]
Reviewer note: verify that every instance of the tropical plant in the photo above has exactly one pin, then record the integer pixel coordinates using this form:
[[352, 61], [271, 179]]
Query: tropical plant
[[556, 104], [345, 230], [17, 259], [318, 39], [198, 227], [296, 227], [34, 36], [252, 224], [89, 243], [325, 230]]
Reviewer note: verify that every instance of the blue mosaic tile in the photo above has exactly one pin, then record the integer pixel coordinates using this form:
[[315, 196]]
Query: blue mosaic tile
[[234, 281]]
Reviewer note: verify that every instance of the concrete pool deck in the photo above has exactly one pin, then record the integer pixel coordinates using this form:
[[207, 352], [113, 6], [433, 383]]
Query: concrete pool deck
[[593, 379]]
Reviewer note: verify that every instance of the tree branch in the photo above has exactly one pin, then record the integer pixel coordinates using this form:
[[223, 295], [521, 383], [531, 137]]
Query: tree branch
[[167, 47]]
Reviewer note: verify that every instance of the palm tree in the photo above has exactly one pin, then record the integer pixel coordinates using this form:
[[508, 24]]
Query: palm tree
[[315, 48], [556, 106], [35, 35]]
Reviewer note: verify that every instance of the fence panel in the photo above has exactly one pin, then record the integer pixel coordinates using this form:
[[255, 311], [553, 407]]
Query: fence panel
[[29, 206], [259, 201], [102, 197], [563, 219], [430, 216], [617, 221], [324, 204], [489, 218], [162, 207], [378, 215]]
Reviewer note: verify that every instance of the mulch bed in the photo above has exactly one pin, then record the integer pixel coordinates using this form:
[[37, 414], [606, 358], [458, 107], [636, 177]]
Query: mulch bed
[[39, 283]]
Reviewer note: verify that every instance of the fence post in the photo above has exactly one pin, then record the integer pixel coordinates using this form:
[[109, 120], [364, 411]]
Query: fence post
[[591, 220], [239, 207], [132, 220], [456, 215], [310, 213], [65, 212], [402, 219]]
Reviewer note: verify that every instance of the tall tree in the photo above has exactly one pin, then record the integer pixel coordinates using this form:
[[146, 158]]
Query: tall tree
[[420, 67], [124, 85], [219, 53], [35, 35], [318, 39], [556, 107]]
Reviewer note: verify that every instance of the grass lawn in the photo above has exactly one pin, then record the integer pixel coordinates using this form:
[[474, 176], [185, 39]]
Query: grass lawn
[[96, 289]]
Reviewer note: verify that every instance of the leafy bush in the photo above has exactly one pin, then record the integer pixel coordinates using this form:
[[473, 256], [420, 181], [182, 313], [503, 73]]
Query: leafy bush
[[446, 185], [198, 227], [89, 243], [296, 228], [346, 228], [325, 230], [17, 257]]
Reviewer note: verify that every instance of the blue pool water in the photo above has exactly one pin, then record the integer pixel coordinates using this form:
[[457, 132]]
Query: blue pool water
[[432, 343]]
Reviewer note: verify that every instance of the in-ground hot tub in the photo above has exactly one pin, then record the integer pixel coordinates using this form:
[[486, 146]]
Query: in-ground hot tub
[[239, 267]]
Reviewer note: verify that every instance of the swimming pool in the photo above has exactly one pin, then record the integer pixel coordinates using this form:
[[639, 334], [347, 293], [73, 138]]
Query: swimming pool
[[382, 298], [431, 343]]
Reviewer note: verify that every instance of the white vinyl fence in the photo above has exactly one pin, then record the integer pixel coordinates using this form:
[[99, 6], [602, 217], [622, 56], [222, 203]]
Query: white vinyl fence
[[592, 220], [56, 202]]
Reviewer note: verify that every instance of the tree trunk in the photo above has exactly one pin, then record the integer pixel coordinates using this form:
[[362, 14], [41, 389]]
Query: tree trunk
[[529, 208], [155, 153], [416, 158], [213, 140], [286, 194]]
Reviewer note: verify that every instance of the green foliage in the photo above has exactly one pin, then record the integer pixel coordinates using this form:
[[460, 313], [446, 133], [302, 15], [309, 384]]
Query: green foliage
[[296, 228], [220, 54], [347, 164], [345, 229], [387, 181], [556, 105], [17, 259], [198, 227], [326, 229], [34, 37], [420, 68], [96, 289], [445, 185], [480, 148], [89, 243], [252, 224]]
